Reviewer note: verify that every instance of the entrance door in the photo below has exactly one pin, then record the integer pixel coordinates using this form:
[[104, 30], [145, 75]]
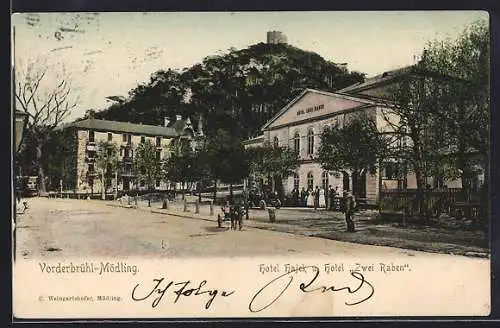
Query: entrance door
[[345, 181], [126, 184], [359, 185]]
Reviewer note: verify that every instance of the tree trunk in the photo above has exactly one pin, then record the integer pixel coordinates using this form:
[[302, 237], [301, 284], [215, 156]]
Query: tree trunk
[[215, 190], [231, 190], [103, 186], [199, 192], [41, 174]]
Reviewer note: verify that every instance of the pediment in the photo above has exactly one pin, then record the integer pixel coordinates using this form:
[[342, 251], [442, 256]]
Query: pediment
[[311, 104]]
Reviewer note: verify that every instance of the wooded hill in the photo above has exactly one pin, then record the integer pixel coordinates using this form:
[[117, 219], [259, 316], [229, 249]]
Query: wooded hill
[[237, 91]]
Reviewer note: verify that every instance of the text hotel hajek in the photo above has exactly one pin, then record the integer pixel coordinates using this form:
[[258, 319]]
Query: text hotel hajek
[[335, 267], [310, 109], [88, 267]]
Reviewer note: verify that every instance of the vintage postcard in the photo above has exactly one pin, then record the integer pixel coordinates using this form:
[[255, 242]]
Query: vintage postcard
[[251, 164]]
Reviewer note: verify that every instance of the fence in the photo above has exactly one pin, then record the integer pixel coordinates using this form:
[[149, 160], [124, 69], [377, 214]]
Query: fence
[[452, 201]]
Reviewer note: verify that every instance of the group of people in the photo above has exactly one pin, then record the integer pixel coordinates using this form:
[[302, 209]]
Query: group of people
[[317, 198]]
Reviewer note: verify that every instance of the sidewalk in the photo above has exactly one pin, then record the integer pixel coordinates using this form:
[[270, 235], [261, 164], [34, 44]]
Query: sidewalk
[[331, 225]]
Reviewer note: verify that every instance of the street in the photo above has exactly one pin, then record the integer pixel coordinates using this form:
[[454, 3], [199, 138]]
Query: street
[[60, 228]]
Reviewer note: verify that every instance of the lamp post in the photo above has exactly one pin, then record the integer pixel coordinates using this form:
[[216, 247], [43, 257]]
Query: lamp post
[[21, 119]]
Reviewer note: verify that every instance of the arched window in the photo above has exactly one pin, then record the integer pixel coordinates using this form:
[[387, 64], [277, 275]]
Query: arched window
[[310, 181], [276, 142], [296, 181], [324, 180], [296, 142], [310, 141]]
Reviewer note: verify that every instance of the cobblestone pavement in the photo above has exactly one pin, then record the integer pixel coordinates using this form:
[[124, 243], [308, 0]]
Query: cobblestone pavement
[[63, 228]]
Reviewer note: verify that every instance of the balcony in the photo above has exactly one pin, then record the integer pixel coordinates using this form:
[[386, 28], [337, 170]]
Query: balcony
[[127, 173], [128, 159], [91, 146]]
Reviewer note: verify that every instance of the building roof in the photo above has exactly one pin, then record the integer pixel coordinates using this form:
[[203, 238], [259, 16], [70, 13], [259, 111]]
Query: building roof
[[383, 78], [257, 139], [124, 127], [330, 94]]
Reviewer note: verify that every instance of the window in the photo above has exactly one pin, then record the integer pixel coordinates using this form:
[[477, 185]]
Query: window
[[142, 183], [91, 136], [324, 180], [158, 141], [143, 139], [296, 181], [91, 168], [91, 154], [296, 142], [121, 151], [390, 171], [276, 142], [310, 142], [310, 180], [124, 137], [157, 182], [158, 155], [110, 136], [127, 152], [110, 152]]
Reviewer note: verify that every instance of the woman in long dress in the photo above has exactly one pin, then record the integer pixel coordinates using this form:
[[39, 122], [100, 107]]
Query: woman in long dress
[[310, 199], [322, 200]]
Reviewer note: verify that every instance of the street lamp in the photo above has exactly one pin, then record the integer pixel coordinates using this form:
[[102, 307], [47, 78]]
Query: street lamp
[[21, 120]]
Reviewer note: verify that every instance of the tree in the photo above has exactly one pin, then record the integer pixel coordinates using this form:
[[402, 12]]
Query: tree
[[462, 110], [180, 166], [272, 163], [237, 91], [226, 159], [147, 163], [107, 163], [357, 146], [441, 111], [46, 94]]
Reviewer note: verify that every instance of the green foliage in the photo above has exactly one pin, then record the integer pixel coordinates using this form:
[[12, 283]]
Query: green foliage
[[272, 162], [146, 164], [59, 160], [225, 157], [355, 146], [107, 161], [181, 166], [237, 91]]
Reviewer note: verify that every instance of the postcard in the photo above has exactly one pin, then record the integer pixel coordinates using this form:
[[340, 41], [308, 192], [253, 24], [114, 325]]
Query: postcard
[[250, 164]]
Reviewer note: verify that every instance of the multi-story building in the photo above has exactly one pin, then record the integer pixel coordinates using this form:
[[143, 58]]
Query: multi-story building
[[300, 123], [90, 132]]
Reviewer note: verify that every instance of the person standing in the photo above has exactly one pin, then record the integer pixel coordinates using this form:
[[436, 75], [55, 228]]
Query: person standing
[[349, 208], [316, 198], [310, 198], [331, 197], [322, 199], [303, 197]]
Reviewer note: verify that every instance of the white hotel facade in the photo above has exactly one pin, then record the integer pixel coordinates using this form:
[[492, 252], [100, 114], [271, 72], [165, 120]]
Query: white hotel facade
[[300, 123]]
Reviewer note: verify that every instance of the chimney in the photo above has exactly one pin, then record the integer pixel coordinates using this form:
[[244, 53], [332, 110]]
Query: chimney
[[178, 117], [166, 121]]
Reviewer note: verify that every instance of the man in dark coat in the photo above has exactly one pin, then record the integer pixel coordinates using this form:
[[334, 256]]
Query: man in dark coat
[[303, 197], [349, 208], [331, 198], [316, 198]]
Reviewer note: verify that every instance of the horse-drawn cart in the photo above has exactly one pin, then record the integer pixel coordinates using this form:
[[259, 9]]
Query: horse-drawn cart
[[233, 214]]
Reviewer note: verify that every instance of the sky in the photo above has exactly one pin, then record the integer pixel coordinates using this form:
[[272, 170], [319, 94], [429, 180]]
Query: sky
[[108, 54]]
